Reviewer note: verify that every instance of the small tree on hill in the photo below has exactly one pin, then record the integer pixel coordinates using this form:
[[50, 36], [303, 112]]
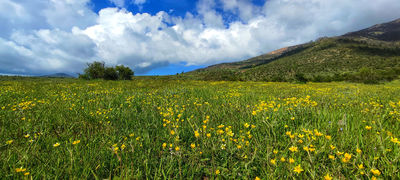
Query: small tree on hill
[[300, 78], [110, 73], [97, 70], [124, 73]]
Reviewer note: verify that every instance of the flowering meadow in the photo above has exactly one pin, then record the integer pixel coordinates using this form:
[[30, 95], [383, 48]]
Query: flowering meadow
[[183, 129]]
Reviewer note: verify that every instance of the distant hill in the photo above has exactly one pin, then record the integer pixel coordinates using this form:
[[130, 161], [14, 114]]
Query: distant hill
[[369, 55], [58, 75]]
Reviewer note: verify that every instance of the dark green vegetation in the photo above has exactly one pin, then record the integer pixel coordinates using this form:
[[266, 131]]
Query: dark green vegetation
[[370, 56], [98, 70]]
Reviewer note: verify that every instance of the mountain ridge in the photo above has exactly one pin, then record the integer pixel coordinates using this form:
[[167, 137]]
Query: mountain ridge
[[376, 48]]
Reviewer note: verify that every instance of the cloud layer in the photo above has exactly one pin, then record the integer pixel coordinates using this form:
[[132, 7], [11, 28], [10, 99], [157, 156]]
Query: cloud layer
[[62, 35]]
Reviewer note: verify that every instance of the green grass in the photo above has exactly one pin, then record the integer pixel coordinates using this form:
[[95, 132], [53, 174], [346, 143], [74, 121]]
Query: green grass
[[122, 126]]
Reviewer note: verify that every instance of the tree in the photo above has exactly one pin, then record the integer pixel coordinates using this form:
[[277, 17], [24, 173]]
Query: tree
[[299, 77], [110, 73], [124, 73], [95, 70]]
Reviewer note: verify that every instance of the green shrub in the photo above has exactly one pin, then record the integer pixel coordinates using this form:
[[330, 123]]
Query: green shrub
[[110, 73], [97, 70], [124, 73]]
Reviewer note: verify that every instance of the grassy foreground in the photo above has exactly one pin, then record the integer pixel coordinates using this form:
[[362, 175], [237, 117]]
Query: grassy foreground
[[171, 129]]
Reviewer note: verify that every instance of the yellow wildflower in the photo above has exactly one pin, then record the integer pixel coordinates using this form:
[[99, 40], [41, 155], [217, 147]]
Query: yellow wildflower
[[273, 161], [376, 172], [305, 148], [291, 160], [196, 133], [9, 141], [346, 158], [76, 142], [394, 140], [246, 125], [56, 144], [298, 169], [20, 169], [293, 149], [368, 127], [358, 151], [192, 145], [217, 172], [327, 177]]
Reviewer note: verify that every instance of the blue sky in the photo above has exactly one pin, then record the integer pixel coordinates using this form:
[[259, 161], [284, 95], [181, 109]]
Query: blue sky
[[179, 7], [161, 37]]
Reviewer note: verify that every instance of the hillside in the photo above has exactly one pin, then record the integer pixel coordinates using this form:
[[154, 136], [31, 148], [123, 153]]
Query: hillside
[[385, 32], [372, 54]]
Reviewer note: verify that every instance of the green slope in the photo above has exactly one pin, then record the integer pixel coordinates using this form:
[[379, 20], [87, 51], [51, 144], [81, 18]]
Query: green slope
[[357, 56]]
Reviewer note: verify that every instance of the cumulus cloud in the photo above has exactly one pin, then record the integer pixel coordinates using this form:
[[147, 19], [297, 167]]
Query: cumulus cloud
[[66, 34], [45, 51], [118, 3]]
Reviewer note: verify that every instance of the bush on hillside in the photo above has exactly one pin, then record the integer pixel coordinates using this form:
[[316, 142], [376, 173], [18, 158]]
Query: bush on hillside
[[97, 70], [110, 73], [124, 73]]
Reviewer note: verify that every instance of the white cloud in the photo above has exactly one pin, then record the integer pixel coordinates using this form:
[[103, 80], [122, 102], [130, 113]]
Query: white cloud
[[45, 51], [118, 3], [65, 14], [66, 34], [243, 8], [138, 2]]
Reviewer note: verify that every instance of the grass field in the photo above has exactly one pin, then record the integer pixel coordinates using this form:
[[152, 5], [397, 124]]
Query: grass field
[[172, 129]]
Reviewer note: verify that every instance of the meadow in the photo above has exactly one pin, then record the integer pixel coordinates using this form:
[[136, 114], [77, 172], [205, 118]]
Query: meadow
[[185, 129]]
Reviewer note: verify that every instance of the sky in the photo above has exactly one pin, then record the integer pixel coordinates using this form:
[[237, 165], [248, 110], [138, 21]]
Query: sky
[[161, 37]]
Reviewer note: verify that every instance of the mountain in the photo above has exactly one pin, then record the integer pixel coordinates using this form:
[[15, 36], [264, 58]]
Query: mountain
[[385, 32], [58, 75], [371, 54]]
